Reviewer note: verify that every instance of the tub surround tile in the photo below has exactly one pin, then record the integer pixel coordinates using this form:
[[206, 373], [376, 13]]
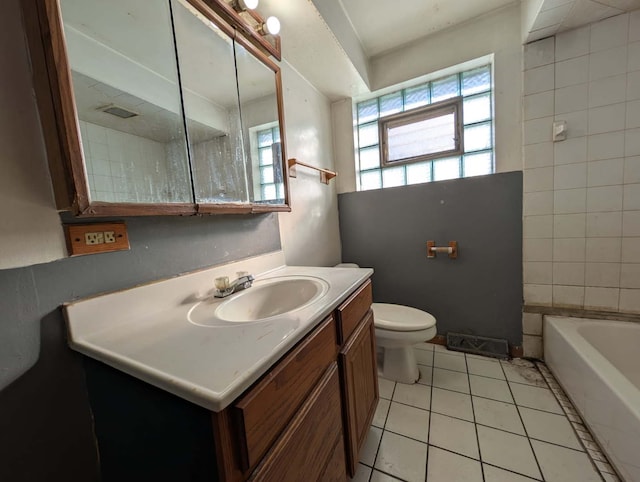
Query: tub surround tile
[[532, 346], [601, 298], [538, 272], [605, 173], [535, 294], [573, 43], [568, 296], [531, 325]]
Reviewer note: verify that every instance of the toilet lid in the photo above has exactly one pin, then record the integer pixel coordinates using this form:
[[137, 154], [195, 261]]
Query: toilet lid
[[400, 318]]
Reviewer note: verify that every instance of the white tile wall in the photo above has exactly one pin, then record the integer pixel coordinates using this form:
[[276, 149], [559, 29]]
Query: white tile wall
[[582, 195]]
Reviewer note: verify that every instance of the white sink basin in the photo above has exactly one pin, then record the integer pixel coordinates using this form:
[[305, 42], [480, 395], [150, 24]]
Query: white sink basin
[[264, 300]]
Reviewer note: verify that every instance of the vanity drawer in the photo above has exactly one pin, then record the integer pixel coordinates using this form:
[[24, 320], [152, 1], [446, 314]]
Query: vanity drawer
[[267, 408], [353, 310], [312, 441]]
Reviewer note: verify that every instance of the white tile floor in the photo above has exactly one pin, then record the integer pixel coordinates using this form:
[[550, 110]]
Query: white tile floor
[[473, 418]]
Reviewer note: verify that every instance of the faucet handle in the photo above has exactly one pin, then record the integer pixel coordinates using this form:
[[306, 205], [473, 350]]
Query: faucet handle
[[222, 283]]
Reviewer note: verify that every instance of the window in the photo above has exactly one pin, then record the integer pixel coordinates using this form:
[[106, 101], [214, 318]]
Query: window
[[475, 89], [267, 144], [420, 134]]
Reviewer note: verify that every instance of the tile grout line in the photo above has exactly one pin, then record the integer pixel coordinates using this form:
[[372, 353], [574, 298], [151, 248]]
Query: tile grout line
[[550, 379], [426, 467], [473, 414], [535, 457]]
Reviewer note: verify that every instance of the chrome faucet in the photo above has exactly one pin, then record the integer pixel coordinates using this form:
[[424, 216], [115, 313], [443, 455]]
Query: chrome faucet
[[224, 288]]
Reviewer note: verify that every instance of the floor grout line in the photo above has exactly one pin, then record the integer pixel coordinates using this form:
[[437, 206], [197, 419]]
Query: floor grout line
[[548, 376], [475, 423], [535, 457], [586, 441]]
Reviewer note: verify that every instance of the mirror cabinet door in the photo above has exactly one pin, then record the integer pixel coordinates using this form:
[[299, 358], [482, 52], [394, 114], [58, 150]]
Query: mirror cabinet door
[[125, 82], [210, 94], [263, 134]]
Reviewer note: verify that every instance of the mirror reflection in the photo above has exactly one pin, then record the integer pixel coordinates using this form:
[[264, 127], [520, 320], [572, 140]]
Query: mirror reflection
[[125, 83], [261, 127], [210, 93]]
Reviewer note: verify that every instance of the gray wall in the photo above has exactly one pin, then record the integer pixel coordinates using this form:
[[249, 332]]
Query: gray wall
[[45, 421], [480, 293]]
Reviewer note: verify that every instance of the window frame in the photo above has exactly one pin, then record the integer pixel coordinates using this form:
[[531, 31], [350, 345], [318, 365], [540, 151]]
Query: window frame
[[430, 111]]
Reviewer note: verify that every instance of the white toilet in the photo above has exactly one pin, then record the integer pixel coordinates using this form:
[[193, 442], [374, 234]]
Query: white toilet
[[398, 329]]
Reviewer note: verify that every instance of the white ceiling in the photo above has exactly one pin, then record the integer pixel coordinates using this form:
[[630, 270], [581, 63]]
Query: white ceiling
[[556, 16], [332, 42], [384, 25]]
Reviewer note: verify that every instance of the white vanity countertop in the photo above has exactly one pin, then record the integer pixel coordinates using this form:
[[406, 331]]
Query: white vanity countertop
[[145, 331]]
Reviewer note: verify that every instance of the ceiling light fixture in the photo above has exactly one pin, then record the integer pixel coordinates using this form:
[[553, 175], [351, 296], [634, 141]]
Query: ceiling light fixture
[[271, 26], [244, 5]]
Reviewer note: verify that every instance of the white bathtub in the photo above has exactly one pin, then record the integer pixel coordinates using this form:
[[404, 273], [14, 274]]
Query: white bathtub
[[598, 365]]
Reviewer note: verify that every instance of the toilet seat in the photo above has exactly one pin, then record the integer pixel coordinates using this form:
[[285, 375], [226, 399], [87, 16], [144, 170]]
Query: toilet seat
[[392, 317]]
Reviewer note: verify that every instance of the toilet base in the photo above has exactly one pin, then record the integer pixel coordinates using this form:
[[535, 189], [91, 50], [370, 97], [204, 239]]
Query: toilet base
[[400, 365]]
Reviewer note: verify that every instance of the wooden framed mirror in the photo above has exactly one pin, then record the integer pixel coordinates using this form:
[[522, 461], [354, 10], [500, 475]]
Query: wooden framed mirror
[[143, 106]]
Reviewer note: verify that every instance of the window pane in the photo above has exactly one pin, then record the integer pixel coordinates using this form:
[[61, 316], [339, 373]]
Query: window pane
[[370, 180], [369, 158], [444, 88], [276, 135], [416, 96], [418, 172], [280, 187], [266, 175], [423, 137], [477, 138], [367, 111], [391, 104], [268, 192], [477, 80], [266, 156], [478, 164], [368, 135], [477, 109], [265, 138], [446, 169], [393, 176]]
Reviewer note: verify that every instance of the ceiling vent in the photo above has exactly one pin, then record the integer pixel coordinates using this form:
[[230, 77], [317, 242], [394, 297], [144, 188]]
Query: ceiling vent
[[118, 111]]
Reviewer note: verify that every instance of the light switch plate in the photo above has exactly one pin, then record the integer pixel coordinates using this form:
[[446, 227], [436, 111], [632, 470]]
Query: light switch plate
[[96, 238]]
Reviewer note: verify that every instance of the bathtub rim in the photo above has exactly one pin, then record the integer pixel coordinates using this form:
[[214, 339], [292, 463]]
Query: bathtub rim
[[611, 376]]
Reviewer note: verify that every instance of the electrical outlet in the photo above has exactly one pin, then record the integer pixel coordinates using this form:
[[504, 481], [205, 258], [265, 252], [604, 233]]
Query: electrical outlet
[[94, 238]]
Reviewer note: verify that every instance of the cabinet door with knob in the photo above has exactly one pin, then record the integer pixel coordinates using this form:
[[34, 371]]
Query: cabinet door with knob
[[360, 387]]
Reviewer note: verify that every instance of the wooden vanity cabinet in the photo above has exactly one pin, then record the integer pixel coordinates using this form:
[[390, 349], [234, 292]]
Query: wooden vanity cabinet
[[360, 387], [309, 416]]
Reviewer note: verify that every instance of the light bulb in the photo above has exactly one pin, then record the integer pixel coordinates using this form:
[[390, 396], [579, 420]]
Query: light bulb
[[243, 5], [272, 25]]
